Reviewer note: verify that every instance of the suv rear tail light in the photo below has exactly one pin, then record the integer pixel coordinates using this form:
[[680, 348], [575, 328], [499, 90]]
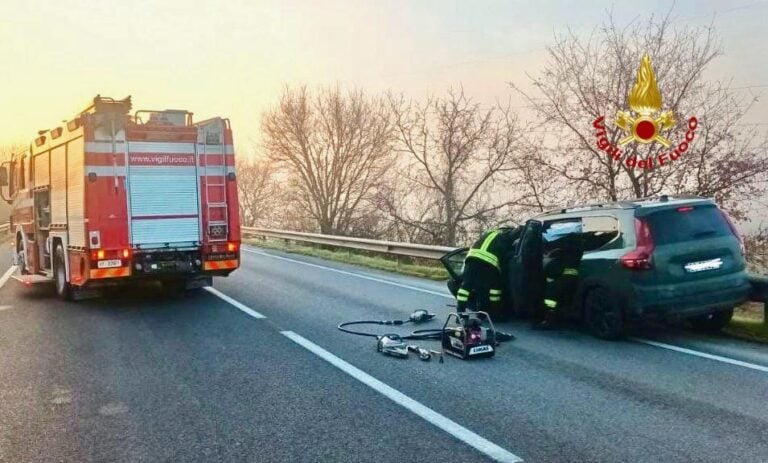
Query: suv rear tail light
[[640, 257], [735, 231]]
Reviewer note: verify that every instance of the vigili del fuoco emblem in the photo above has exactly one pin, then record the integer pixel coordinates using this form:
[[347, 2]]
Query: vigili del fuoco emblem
[[645, 101], [645, 123]]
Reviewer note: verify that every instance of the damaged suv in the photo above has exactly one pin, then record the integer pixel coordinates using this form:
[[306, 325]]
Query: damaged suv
[[664, 258]]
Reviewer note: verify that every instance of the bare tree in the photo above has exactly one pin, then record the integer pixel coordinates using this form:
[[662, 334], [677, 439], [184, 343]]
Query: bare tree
[[259, 192], [586, 78], [334, 148], [756, 244], [454, 152]]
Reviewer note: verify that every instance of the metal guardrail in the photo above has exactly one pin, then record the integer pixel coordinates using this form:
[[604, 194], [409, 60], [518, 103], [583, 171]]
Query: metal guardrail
[[4, 227], [422, 251]]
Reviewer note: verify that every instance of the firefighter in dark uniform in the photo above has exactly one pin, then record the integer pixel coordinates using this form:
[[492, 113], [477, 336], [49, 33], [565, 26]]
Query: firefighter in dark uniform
[[482, 277], [561, 270]]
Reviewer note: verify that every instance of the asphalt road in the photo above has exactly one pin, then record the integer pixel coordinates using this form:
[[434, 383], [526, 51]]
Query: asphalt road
[[140, 377]]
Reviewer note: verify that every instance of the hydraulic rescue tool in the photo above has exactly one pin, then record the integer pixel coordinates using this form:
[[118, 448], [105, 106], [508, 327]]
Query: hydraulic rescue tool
[[472, 335], [464, 335]]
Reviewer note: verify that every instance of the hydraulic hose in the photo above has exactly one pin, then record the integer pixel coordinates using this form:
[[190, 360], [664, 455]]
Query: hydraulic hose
[[417, 317]]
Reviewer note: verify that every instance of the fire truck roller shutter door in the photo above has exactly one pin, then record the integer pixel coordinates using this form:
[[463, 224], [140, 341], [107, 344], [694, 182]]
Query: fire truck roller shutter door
[[163, 194]]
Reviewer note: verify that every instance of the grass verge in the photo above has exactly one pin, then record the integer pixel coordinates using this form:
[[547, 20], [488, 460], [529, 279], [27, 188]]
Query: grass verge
[[403, 265], [748, 323], [748, 329]]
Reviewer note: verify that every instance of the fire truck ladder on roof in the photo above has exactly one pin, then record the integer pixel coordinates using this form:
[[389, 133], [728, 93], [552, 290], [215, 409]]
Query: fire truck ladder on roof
[[216, 190]]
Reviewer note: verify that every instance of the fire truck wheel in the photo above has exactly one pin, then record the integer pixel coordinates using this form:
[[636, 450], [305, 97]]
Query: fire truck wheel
[[63, 289], [20, 257]]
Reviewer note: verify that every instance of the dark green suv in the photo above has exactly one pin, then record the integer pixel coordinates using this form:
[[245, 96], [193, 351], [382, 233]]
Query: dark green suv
[[664, 257]]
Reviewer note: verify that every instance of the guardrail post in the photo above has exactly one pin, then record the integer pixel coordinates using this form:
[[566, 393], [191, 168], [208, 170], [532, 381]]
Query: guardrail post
[[765, 313]]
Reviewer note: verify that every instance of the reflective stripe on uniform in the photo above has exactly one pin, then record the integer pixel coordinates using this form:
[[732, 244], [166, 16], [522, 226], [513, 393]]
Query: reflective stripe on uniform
[[551, 303], [495, 298], [494, 291], [550, 280], [488, 240], [484, 256], [462, 298], [463, 292], [570, 271], [482, 252]]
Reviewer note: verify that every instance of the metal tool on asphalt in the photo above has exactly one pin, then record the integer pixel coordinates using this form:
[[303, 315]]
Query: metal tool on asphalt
[[423, 354], [392, 345]]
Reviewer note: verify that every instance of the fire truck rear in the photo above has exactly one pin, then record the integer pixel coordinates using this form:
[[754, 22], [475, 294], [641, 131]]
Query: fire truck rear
[[109, 198]]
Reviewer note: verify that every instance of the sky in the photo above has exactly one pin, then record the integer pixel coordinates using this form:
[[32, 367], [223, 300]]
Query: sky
[[233, 58]]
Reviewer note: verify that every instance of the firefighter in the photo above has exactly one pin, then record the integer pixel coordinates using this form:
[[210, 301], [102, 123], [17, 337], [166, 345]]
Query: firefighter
[[482, 277], [561, 271]]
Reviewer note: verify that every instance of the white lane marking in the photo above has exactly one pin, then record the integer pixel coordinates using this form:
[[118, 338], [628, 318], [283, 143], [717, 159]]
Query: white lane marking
[[235, 303], [718, 358], [357, 275], [7, 275], [451, 427]]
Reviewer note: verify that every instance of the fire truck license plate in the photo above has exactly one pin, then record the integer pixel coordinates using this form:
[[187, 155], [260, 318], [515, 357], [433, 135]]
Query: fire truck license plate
[[111, 263]]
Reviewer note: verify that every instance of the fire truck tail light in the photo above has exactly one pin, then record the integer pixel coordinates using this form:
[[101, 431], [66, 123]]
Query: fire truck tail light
[[126, 253], [231, 247], [97, 255]]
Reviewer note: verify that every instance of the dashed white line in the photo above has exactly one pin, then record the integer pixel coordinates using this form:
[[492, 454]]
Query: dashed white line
[[7, 275], [235, 303], [451, 427], [705, 355], [352, 274]]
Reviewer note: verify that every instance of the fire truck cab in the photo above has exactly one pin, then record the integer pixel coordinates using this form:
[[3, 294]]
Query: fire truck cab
[[109, 198]]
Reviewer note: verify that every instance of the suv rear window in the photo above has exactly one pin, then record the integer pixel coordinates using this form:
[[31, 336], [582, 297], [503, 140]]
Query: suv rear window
[[687, 223]]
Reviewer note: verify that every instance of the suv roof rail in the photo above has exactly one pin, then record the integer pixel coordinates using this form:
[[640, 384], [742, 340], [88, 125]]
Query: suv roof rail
[[665, 197], [591, 206], [623, 204]]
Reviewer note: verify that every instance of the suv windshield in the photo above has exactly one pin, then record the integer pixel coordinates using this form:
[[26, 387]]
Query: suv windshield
[[687, 223]]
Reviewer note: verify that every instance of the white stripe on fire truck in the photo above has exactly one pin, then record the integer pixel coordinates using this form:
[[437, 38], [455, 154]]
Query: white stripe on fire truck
[[106, 171], [215, 149], [103, 147], [110, 171], [25, 202], [144, 146]]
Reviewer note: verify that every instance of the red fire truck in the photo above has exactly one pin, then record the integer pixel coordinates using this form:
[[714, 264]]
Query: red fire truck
[[108, 198]]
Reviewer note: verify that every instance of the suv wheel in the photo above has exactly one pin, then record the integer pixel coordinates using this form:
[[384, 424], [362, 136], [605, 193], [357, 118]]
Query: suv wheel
[[603, 314], [63, 289], [712, 322]]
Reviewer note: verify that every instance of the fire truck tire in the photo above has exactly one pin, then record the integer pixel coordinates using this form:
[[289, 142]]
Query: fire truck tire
[[20, 256], [63, 288]]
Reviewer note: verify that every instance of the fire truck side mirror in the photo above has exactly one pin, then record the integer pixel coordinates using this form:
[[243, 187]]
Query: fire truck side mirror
[[4, 184]]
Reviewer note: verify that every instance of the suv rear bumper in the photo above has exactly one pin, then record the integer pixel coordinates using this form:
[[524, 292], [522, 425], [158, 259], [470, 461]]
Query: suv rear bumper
[[693, 298]]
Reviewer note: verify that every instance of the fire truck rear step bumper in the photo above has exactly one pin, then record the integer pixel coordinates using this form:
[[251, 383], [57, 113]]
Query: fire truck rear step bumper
[[31, 279]]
